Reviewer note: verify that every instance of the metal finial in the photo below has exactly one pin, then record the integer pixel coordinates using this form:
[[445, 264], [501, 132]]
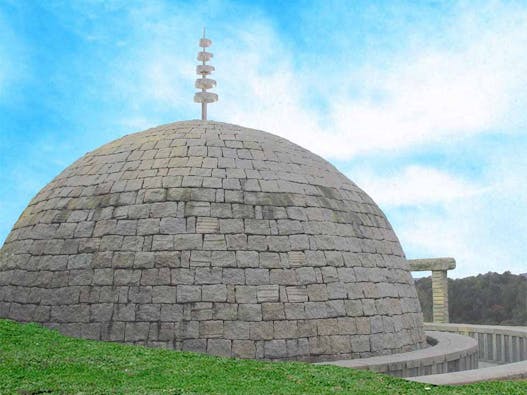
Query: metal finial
[[204, 83]]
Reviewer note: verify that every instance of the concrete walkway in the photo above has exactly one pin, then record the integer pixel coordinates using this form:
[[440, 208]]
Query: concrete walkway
[[510, 371]]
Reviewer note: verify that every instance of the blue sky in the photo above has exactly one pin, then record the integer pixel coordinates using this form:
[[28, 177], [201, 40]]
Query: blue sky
[[422, 104]]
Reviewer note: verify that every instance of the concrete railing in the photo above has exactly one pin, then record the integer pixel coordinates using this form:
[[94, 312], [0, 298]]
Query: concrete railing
[[448, 352], [506, 345], [497, 344], [439, 268]]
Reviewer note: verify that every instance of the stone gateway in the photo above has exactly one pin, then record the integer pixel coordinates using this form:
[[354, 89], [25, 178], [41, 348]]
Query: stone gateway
[[213, 238]]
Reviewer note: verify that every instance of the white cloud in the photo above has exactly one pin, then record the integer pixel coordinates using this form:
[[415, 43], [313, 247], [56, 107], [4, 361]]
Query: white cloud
[[433, 91], [415, 186], [482, 228]]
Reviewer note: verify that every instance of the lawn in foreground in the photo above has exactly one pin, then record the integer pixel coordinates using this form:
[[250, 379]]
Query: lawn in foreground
[[37, 360]]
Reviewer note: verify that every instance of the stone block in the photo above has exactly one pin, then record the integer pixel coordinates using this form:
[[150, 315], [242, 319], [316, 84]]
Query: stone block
[[317, 292], [182, 276], [256, 276], [148, 312], [223, 258], [208, 275], [236, 329], [360, 343], [275, 349], [243, 349], [236, 242], [257, 243], [211, 329], [70, 313], [307, 328], [257, 227], [327, 327], [285, 329], [294, 311], [141, 294], [368, 307], [163, 243], [297, 294], [225, 311], [269, 260], [188, 241], [250, 312], [214, 242], [245, 294], [278, 243], [247, 259], [197, 209], [231, 225], [155, 195], [214, 293], [171, 312], [267, 293], [273, 311], [194, 345], [262, 330], [126, 277], [123, 260], [233, 276], [305, 275], [164, 294], [283, 276], [320, 345], [81, 277], [188, 293], [166, 259], [207, 225], [173, 226], [219, 347]]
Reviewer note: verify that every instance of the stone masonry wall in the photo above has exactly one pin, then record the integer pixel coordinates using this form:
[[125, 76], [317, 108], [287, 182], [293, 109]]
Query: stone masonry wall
[[214, 238]]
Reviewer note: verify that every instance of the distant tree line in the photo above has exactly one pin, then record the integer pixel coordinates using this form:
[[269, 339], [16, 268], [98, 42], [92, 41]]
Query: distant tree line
[[490, 298]]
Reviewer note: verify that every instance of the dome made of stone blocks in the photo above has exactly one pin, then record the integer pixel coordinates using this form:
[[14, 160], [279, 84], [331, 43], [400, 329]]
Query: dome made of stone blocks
[[215, 238]]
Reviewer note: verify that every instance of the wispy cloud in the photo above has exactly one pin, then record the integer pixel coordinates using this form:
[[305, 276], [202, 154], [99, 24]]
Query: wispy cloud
[[416, 186]]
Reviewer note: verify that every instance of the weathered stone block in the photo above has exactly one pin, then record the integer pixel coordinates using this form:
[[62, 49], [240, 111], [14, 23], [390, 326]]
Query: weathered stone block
[[267, 293], [188, 293], [214, 293], [211, 329], [275, 349], [262, 330], [285, 329], [219, 347], [236, 329], [164, 294], [243, 349], [273, 311], [148, 312], [256, 276], [250, 312]]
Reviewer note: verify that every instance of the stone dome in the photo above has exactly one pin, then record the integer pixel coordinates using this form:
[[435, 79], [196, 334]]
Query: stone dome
[[215, 238]]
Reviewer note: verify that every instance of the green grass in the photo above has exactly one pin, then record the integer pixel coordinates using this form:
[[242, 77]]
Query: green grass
[[35, 360]]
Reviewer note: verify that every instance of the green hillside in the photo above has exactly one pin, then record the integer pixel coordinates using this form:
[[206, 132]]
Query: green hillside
[[35, 360]]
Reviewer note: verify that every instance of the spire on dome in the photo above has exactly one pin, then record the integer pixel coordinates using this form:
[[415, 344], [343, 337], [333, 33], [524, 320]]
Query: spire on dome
[[204, 83]]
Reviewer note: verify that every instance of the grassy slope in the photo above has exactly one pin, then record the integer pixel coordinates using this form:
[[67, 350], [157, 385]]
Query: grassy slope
[[36, 360]]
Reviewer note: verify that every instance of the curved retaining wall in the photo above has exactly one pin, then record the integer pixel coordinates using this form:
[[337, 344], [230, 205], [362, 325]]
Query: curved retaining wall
[[448, 352], [506, 345], [497, 344]]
